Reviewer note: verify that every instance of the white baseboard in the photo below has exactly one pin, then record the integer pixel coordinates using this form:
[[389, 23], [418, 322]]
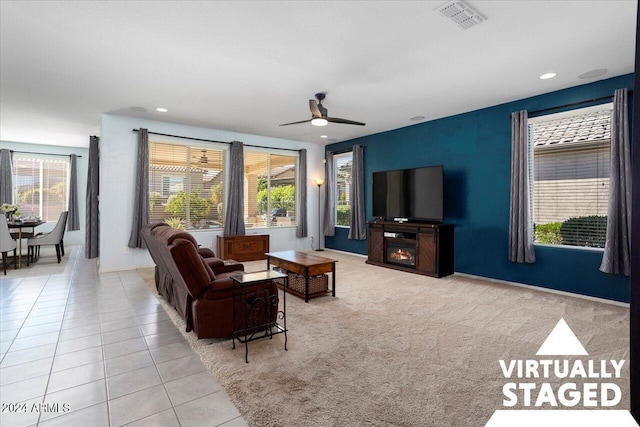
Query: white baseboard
[[345, 252], [540, 288]]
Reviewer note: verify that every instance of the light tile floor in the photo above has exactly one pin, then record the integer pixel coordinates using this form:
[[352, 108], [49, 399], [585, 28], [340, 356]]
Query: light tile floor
[[89, 349]]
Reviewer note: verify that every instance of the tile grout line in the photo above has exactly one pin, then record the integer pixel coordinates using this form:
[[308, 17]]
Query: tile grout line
[[25, 319], [155, 365], [73, 253]]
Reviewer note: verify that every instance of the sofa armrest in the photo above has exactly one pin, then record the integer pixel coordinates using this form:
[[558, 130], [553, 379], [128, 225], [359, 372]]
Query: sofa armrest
[[223, 288], [227, 268], [206, 253], [214, 263]]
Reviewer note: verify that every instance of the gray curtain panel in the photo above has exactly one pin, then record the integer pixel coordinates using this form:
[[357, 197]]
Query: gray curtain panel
[[520, 234], [6, 177], [617, 250], [141, 200], [92, 219], [234, 217], [329, 228], [73, 220], [301, 229], [358, 229]]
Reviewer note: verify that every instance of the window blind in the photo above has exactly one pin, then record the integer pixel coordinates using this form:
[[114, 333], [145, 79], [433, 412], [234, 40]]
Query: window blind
[[570, 185], [41, 185], [186, 185]]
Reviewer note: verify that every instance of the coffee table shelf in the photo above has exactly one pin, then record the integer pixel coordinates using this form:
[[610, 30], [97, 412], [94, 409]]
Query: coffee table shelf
[[306, 265]]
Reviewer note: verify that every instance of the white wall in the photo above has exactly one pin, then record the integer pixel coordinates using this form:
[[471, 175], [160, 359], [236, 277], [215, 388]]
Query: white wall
[[118, 150], [70, 237]]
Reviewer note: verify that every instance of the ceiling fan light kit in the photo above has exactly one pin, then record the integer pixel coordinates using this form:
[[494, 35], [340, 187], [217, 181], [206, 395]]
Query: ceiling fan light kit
[[203, 159], [319, 115]]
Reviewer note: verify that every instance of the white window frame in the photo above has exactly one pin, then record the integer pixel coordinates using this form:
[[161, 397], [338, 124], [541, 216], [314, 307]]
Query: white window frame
[[161, 139], [276, 152], [42, 158], [336, 158]]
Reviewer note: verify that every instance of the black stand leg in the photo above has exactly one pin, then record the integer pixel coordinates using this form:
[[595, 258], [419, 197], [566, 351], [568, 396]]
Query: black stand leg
[[333, 279], [306, 285]]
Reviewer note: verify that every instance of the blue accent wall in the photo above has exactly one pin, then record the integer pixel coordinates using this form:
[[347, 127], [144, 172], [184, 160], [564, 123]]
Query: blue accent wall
[[475, 150]]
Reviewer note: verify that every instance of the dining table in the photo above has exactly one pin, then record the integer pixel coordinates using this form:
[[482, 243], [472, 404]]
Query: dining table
[[20, 225]]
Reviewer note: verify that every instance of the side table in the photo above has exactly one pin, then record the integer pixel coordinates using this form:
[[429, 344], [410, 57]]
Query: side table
[[260, 316]]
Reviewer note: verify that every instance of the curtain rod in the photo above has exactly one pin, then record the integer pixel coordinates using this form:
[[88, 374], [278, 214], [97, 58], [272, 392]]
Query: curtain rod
[[574, 104], [346, 150], [213, 140], [44, 154]]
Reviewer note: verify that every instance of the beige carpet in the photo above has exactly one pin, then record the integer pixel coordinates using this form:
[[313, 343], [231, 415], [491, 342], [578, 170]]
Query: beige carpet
[[398, 349]]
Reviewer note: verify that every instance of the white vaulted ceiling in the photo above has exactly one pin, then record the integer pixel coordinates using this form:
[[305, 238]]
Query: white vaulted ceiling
[[249, 66]]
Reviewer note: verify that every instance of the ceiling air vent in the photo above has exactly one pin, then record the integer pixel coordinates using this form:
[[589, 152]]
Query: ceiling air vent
[[460, 14]]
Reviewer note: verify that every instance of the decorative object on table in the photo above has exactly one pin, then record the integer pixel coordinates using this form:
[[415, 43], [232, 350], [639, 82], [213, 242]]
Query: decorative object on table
[[10, 211]]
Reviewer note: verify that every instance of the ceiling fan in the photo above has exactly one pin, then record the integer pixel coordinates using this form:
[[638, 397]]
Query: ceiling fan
[[203, 160], [319, 115]]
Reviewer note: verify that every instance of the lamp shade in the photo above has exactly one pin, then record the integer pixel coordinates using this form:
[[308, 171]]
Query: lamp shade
[[319, 181], [319, 121]]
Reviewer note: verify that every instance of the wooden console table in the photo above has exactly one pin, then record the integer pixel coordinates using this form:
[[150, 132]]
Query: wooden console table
[[250, 247]]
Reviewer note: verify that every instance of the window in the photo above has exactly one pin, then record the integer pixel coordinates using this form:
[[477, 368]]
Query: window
[[342, 168], [41, 185], [570, 185], [186, 185], [270, 189]]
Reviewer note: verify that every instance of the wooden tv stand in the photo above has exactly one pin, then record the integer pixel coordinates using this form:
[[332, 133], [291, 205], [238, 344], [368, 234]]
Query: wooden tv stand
[[420, 248]]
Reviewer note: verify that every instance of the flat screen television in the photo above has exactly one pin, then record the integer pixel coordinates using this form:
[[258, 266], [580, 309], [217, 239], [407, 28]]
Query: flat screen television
[[408, 194]]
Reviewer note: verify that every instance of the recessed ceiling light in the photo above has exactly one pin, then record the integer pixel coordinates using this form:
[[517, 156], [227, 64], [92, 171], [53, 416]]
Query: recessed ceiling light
[[323, 136], [162, 110], [592, 74], [547, 76], [416, 118]]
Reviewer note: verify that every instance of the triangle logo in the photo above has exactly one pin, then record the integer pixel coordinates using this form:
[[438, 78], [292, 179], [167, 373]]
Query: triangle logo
[[562, 342]]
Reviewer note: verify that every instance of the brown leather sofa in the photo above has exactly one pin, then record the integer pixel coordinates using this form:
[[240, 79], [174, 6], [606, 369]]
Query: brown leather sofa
[[196, 283]]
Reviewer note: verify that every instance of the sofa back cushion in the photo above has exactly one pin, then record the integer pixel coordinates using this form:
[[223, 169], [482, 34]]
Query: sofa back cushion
[[192, 268]]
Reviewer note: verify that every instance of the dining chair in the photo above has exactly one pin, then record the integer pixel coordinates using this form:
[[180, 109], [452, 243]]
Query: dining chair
[[54, 237], [7, 244], [64, 228]]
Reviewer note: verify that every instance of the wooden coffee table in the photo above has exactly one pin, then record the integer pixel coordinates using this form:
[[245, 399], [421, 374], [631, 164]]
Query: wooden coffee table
[[305, 264]]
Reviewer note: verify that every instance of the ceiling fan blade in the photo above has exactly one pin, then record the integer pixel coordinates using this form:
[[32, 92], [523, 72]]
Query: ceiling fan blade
[[313, 106], [344, 121], [296, 123]]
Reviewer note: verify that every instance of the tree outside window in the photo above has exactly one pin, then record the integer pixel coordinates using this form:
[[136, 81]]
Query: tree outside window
[[270, 189]]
